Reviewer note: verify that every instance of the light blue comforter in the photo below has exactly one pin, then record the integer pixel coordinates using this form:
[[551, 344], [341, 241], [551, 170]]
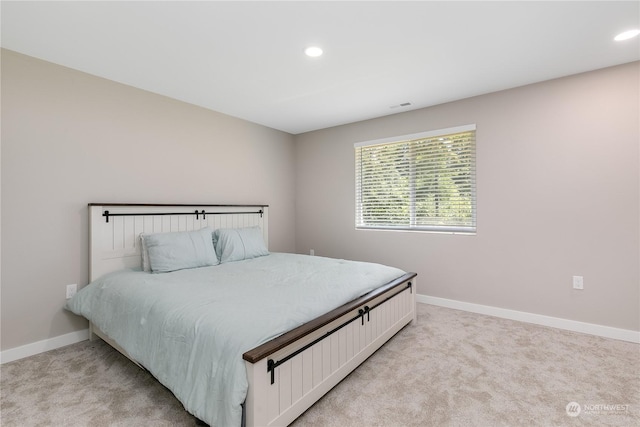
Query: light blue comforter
[[189, 328]]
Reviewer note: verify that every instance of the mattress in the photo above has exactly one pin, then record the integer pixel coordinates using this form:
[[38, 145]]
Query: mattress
[[189, 328]]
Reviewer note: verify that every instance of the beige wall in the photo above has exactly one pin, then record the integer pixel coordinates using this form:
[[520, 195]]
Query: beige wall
[[69, 138], [570, 147], [558, 195]]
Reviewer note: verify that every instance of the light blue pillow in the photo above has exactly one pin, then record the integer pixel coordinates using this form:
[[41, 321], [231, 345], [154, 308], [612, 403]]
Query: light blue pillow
[[145, 254], [236, 244], [180, 250]]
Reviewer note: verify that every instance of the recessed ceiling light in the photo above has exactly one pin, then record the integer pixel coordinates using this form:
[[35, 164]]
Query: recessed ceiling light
[[627, 35], [313, 51]]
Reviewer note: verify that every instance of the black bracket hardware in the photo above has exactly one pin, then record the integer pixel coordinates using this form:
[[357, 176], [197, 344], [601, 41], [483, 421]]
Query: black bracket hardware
[[363, 311], [271, 367]]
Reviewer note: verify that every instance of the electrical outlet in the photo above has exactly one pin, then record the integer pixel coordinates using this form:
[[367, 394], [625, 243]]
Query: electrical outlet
[[578, 282], [71, 290], [312, 252]]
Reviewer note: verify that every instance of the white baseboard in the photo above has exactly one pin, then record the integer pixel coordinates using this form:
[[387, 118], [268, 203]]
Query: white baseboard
[[538, 319], [42, 346]]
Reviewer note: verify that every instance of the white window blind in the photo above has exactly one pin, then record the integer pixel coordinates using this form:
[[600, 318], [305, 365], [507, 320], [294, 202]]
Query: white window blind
[[423, 181]]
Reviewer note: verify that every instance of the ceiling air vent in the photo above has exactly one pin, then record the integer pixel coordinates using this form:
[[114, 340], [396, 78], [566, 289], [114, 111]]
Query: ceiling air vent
[[404, 104]]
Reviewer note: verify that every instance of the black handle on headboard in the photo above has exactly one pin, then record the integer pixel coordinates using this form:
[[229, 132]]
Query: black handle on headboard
[[106, 213]]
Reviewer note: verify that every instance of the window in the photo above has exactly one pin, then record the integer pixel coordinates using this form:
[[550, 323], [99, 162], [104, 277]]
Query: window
[[424, 181]]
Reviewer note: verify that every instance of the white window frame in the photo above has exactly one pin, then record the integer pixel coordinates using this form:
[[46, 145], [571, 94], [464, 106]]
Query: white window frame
[[412, 222]]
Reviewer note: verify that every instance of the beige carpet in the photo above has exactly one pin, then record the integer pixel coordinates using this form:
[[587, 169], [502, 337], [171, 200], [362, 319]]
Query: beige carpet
[[451, 369]]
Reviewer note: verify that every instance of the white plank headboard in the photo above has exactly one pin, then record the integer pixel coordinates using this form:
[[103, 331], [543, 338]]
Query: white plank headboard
[[114, 229]]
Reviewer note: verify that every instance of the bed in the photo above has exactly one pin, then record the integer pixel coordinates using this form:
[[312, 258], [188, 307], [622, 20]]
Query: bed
[[303, 342]]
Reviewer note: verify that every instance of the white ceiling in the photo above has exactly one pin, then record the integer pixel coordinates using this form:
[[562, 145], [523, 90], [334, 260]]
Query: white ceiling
[[246, 59]]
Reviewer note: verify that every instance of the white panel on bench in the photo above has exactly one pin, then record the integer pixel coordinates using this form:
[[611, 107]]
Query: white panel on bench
[[301, 380]]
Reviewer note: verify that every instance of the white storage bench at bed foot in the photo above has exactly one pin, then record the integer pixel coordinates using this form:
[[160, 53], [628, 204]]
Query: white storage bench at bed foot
[[287, 382]]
